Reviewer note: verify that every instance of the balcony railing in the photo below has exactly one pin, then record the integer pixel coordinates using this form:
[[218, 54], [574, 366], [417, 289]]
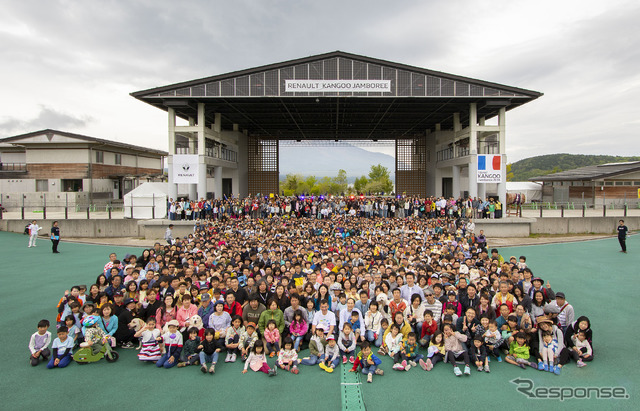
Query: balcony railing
[[13, 167]]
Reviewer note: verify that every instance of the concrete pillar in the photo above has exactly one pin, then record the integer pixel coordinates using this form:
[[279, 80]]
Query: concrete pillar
[[172, 188], [456, 181], [202, 165], [473, 150], [202, 178], [217, 182], [482, 191], [502, 186]]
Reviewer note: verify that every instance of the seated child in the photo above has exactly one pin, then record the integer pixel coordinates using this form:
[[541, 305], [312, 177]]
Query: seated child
[[582, 350], [272, 337], [232, 339], [454, 349], [384, 324], [208, 351], [317, 345], [393, 343], [62, 349], [368, 362], [74, 331], [478, 354], [429, 327], [549, 353], [288, 357], [519, 352], [172, 341], [354, 321], [347, 343], [493, 339], [247, 340], [331, 355], [482, 328], [510, 329], [257, 360], [39, 343], [298, 329], [149, 336], [189, 354], [94, 336], [372, 320], [409, 352], [435, 353]]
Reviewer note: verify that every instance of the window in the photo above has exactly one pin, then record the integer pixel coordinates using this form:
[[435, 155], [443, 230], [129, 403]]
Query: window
[[636, 183], [608, 183], [72, 185], [42, 185], [619, 183], [118, 158], [99, 157]]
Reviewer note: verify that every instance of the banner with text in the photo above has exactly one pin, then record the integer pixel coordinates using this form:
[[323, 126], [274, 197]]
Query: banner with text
[[489, 168], [355, 86], [185, 168]]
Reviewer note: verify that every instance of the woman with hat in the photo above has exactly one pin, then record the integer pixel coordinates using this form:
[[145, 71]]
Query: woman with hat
[[545, 324]]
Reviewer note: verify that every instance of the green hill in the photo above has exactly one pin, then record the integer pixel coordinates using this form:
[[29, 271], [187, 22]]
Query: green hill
[[530, 167]]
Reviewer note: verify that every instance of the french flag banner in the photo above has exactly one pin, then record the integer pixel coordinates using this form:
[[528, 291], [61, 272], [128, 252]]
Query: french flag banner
[[489, 168]]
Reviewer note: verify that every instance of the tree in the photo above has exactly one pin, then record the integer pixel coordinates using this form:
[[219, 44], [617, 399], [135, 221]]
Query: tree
[[379, 180], [360, 185], [379, 172], [509, 173]]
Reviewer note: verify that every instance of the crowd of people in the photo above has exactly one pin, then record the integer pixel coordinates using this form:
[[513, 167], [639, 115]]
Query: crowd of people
[[288, 293], [325, 206]]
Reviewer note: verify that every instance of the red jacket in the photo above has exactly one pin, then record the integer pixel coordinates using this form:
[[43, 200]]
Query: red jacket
[[428, 329], [235, 309]]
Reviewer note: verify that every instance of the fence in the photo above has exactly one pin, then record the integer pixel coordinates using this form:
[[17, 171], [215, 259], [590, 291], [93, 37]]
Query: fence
[[66, 210], [574, 209]]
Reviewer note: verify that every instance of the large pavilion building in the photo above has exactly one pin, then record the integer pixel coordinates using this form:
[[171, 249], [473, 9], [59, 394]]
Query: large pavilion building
[[446, 142]]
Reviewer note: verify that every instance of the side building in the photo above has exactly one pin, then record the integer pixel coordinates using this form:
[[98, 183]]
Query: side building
[[66, 168], [614, 183]]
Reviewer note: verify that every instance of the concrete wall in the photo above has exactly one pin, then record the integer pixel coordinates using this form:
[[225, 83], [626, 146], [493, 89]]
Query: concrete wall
[[82, 228], [523, 227], [155, 229], [59, 156], [599, 225], [507, 227]]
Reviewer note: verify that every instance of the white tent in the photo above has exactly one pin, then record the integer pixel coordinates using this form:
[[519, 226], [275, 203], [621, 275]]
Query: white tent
[[144, 199], [532, 191]]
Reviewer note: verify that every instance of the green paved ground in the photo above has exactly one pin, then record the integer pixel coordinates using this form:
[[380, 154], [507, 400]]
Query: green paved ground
[[593, 274]]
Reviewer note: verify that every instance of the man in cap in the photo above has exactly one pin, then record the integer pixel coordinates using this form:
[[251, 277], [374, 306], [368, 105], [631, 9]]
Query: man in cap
[[561, 310]]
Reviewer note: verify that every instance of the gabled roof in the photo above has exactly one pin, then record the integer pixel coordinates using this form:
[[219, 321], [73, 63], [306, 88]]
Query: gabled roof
[[19, 139], [180, 89], [257, 99], [591, 172]]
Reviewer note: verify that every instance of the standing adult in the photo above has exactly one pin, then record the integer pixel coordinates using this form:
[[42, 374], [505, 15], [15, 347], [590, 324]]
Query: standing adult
[[622, 236], [33, 233], [55, 237], [168, 235]]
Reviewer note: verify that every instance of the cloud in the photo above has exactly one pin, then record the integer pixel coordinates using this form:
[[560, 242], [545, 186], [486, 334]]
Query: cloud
[[85, 57], [46, 118]]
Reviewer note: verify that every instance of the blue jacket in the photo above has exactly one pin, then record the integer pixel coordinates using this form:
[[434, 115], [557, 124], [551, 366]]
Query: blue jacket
[[113, 325]]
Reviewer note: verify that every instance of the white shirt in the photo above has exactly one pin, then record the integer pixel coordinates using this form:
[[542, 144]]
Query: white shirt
[[324, 320], [34, 228]]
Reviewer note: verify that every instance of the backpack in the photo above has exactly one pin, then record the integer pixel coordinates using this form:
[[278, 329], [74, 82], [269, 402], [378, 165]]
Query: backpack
[[26, 229]]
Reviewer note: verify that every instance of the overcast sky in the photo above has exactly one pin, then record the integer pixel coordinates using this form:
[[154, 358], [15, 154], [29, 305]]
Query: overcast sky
[[70, 65]]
